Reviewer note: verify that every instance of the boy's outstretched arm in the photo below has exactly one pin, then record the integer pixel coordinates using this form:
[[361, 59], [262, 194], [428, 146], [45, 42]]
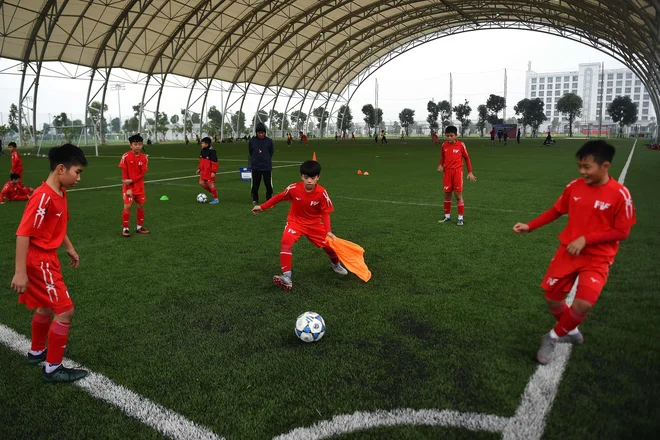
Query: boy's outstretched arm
[[548, 216], [277, 198]]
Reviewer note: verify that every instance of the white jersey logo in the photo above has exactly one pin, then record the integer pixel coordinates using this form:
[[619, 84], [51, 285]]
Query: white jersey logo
[[59, 214], [552, 281], [601, 205], [576, 198], [314, 203], [456, 151]]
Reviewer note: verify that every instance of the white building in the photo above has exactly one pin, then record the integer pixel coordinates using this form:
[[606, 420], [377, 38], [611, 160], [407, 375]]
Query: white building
[[585, 82]]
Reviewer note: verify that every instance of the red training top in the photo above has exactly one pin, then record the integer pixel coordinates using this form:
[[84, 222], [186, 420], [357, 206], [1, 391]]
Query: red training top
[[45, 218], [307, 209], [134, 167], [451, 156]]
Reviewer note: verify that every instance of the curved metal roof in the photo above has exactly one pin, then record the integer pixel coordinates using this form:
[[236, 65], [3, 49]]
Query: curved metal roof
[[320, 46]]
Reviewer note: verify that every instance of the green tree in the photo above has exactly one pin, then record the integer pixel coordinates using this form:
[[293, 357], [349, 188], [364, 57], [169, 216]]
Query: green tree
[[407, 118], [162, 121], [445, 110], [298, 117], [13, 118], [238, 123], [432, 117], [344, 118], [462, 114], [60, 121], [215, 120], [131, 125], [321, 115], [495, 104], [571, 105], [195, 118], [369, 116], [482, 118], [174, 119], [262, 116], [3, 130], [396, 128], [531, 112], [115, 125], [623, 111], [276, 119]]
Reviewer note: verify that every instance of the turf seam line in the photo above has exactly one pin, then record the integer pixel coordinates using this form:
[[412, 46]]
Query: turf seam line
[[157, 417]]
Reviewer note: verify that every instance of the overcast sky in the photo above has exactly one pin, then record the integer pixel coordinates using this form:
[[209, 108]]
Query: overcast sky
[[410, 80]]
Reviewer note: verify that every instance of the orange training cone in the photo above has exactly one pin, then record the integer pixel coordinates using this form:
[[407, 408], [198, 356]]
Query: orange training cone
[[359, 173], [314, 156]]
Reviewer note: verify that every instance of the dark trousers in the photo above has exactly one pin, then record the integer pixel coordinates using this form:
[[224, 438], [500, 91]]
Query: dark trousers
[[256, 183]]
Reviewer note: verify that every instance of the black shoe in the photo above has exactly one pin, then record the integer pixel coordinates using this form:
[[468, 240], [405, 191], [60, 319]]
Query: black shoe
[[445, 220], [63, 374], [36, 359]]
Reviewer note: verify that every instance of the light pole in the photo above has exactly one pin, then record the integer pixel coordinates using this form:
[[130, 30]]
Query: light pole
[[118, 88]]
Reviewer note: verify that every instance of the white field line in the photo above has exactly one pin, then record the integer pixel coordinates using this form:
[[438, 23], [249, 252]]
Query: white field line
[[197, 159], [396, 202], [164, 180], [157, 417], [527, 424]]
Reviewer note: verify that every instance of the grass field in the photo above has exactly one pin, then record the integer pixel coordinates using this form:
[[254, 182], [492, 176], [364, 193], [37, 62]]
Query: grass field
[[188, 316]]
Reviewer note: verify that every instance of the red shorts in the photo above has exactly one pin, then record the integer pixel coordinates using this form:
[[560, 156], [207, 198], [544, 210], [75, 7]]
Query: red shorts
[[46, 288], [206, 178], [453, 180], [137, 198], [315, 234], [565, 268]]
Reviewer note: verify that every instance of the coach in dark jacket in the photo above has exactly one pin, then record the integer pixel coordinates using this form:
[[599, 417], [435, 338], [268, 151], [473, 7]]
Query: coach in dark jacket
[[261, 160]]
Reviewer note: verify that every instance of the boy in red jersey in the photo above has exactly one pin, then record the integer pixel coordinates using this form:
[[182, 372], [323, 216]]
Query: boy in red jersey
[[451, 163], [600, 214], [208, 166], [134, 166], [16, 161], [434, 137], [14, 190], [309, 216], [38, 280]]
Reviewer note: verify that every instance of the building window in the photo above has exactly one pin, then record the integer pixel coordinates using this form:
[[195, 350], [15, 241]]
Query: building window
[[645, 118], [541, 80], [556, 100], [600, 92], [638, 83], [548, 106], [533, 87], [636, 98], [637, 90], [575, 78], [619, 83], [558, 79], [610, 76], [549, 85], [550, 79], [627, 90], [557, 92], [645, 104], [541, 93], [609, 90], [608, 98], [610, 83], [646, 97], [628, 83], [645, 111], [533, 80], [575, 85], [533, 94], [542, 87], [628, 75], [567, 78], [547, 113], [618, 90], [619, 76]]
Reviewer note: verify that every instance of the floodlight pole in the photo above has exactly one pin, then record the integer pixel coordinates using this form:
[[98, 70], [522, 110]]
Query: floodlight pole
[[118, 87]]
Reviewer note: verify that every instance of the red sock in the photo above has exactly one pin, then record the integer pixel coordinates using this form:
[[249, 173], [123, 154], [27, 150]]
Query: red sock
[[57, 338], [332, 254], [461, 208], [214, 191], [568, 322], [285, 261], [140, 217], [447, 207], [40, 326], [125, 217], [559, 311]]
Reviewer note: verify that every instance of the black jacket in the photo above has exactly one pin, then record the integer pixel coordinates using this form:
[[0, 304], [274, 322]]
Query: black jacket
[[261, 153]]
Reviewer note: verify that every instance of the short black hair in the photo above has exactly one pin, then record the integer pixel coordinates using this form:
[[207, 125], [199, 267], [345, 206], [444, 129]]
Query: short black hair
[[206, 140], [310, 168], [68, 155], [600, 150], [11, 144], [135, 138], [451, 130], [14, 176]]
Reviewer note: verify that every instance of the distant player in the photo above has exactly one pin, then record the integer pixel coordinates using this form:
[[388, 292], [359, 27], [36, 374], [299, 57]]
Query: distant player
[[336, 137], [16, 161], [492, 137], [38, 279], [309, 216], [303, 138], [383, 139], [289, 139], [600, 214], [518, 137], [208, 167], [375, 136], [14, 191], [261, 150], [451, 163], [434, 137], [134, 166], [352, 135], [402, 135], [187, 140]]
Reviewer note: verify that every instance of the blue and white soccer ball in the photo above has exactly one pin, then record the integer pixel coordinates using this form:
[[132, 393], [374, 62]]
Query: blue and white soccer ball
[[310, 327], [201, 198]]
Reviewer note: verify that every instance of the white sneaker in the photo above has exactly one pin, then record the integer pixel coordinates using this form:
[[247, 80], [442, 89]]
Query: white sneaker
[[283, 281], [339, 269]]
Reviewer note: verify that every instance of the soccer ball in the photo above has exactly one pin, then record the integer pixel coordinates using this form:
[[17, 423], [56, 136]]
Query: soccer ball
[[310, 327], [201, 198]]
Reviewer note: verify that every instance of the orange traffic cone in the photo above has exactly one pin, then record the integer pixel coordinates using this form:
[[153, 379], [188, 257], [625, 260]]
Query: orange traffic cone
[[359, 172], [314, 156]]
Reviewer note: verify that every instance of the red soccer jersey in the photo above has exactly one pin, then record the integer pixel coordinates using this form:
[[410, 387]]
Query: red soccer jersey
[[16, 163], [595, 209], [44, 219], [451, 156], [307, 209], [11, 190], [134, 167]]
